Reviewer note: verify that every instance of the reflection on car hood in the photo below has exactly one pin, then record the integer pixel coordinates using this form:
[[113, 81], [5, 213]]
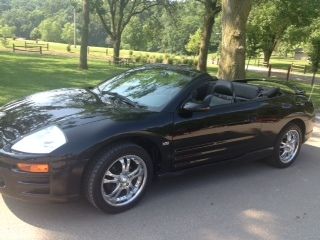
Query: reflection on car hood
[[63, 107]]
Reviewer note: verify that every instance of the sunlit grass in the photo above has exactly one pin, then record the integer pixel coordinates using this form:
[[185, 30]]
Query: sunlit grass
[[22, 74]]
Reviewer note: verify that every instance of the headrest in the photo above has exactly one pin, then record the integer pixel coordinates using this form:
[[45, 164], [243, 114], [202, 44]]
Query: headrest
[[223, 87]]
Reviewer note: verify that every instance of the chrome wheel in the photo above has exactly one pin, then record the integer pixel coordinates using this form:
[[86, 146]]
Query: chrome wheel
[[289, 146], [124, 180]]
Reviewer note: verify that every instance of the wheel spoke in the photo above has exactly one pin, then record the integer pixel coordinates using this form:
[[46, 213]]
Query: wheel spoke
[[123, 165], [110, 174], [118, 192], [115, 192], [105, 180], [127, 168], [136, 173]]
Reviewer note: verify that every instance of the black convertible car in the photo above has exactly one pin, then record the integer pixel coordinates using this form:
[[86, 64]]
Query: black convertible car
[[109, 141]]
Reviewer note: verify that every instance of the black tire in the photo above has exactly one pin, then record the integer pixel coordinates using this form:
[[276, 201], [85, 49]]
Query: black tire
[[95, 174], [276, 159]]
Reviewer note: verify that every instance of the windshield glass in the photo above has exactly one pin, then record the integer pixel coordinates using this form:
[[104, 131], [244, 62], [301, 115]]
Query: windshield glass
[[150, 88]]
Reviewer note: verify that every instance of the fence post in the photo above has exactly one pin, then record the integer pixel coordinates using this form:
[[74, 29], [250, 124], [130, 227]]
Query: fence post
[[25, 44], [305, 69], [13, 47], [40, 50], [313, 78], [269, 71], [288, 73]]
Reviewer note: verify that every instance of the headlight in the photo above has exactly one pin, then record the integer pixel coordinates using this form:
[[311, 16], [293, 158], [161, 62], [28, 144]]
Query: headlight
[[43, 141]]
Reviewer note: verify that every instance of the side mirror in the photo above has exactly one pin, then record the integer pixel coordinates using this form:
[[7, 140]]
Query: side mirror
[[196, 107]]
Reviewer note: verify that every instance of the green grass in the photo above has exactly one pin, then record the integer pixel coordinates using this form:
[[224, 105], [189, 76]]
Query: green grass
[[94, 52], [24, 74]]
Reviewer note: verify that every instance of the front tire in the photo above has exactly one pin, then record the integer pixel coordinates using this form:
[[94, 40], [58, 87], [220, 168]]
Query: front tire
[[118, 178], [287, 146]]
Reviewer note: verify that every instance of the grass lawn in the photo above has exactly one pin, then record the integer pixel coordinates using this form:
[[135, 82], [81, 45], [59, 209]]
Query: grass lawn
[[24, 74]]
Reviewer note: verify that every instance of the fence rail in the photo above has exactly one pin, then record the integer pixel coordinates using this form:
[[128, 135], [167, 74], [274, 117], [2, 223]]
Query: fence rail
[[45, 46], [27, 49]]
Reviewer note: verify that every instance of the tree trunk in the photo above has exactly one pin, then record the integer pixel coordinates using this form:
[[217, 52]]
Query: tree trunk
[[313, 78], [233, 46], [84, 35], [248, 63], [205, 40], [267, 55], [116, 49]]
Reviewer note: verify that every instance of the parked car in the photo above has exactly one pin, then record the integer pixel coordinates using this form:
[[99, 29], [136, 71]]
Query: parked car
[[109, 141]]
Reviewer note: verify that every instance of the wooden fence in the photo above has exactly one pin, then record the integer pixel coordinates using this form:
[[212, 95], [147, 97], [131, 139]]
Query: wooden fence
[[44, 46], [27, 49]]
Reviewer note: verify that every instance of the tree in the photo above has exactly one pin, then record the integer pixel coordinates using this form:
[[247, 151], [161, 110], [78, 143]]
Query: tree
[[233, 45], [272, 19], [194, 43], [67, 33], [212, 8], [115, 16], [252, 44], [84, 35], [314, 52], [6, 31], [50, 30], [134, 35], [35, 34]]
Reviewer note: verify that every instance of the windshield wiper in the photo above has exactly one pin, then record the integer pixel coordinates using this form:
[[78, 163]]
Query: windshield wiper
[[122, 98]]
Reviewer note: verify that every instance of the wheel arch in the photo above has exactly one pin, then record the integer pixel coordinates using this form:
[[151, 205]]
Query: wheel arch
[[151, 143], [300, 123]]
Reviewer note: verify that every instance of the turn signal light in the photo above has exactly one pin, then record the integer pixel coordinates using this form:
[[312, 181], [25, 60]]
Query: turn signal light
[[33, 168]]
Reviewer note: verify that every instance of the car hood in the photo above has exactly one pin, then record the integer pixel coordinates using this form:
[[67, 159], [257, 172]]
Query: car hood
[[62, 107]]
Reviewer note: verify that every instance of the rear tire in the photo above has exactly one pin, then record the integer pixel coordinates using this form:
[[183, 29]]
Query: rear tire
[[118, 178], [287, 146]]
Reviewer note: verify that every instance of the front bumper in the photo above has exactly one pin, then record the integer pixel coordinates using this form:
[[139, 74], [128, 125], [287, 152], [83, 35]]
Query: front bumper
[[61, 184]]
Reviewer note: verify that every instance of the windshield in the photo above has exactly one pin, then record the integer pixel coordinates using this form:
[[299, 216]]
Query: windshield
[[150, 88]]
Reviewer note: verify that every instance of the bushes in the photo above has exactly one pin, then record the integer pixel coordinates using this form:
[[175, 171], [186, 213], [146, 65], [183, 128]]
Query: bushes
[[166, 59]]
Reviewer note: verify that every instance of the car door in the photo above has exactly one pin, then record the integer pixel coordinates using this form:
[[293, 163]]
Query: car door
[[223, 132]]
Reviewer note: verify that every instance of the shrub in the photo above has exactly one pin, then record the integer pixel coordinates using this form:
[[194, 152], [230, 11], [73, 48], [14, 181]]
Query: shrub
[[195, 62], [4, 41], [144, 59], [159, 59], [184, 60], [178, 61], [170, 60], [68, 48], [130, 52], [190, 62], [137, 58]]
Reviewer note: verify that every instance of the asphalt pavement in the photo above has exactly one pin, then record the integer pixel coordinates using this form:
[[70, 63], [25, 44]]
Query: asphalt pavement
[[226, 202]]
